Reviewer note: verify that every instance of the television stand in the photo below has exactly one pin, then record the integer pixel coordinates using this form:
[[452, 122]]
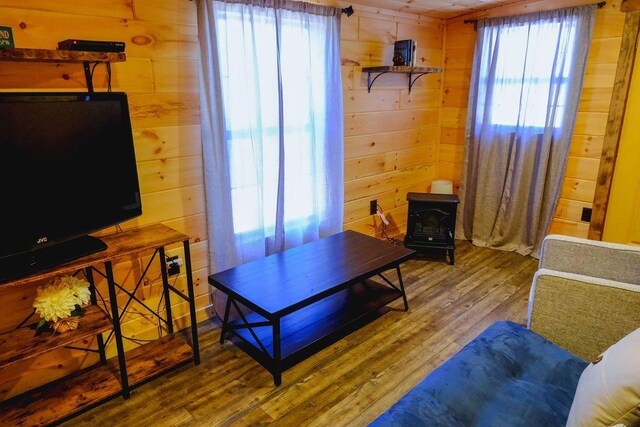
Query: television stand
[[27, 263], [112, 375]]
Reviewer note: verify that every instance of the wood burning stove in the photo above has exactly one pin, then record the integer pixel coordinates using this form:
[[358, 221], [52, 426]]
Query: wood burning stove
[[431, 222]]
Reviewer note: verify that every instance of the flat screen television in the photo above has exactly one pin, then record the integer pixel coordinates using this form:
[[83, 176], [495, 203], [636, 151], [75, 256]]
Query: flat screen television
[[67, 169]]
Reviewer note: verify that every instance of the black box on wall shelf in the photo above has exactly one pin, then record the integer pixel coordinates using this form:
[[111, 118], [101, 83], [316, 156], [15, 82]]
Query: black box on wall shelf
[[403, 53], [91, 45]]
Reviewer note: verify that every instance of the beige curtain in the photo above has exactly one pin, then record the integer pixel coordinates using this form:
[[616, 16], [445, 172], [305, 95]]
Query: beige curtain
[[526, 83], [272, 126]]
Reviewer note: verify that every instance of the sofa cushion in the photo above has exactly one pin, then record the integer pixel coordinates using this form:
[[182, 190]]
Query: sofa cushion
[[507, 376], [608, 391]]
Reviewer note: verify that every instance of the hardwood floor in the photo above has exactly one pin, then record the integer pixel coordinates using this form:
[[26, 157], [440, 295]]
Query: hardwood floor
[[351, 382]]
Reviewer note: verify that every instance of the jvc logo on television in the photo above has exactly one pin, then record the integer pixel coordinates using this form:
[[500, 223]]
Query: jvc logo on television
[[41, 240]]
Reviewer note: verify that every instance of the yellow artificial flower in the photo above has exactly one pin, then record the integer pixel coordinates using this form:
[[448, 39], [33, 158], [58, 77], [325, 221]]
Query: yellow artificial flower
[[55, 302], [58, 299], [80, 289]]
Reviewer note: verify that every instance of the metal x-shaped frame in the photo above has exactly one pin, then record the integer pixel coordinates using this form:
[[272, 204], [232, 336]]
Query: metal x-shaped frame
[[117, 313]]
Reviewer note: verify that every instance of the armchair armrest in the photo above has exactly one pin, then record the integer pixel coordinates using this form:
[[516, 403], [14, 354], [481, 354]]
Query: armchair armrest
[[612, 261], [582, 314]]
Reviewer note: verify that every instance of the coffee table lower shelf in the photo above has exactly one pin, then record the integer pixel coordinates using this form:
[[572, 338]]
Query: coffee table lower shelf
[[68, 396], [312, 328]]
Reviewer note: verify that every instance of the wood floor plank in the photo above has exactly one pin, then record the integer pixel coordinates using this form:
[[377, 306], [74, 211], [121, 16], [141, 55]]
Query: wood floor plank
[[352, 381], [382, 391]]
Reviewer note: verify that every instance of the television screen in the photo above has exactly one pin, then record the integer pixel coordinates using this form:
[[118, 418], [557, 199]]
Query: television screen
[[68, 168]]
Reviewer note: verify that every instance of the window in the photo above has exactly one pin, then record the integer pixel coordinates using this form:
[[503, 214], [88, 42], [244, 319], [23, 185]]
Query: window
[[526, 83], [258, 106], [525, 91]]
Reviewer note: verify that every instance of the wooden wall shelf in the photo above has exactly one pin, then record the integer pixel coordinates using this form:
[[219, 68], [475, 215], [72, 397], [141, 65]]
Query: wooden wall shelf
[[55, 56], [395, 69]]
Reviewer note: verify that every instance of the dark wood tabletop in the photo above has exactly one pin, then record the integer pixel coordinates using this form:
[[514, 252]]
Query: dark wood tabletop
[[284, 282]]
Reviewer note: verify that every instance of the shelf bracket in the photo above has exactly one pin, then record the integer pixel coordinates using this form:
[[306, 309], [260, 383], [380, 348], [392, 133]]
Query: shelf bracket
[[370, 82], [413, 73], [87, 75], [412, 81]]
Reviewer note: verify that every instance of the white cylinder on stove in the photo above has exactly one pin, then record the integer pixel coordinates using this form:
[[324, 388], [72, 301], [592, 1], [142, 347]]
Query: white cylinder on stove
[[442, 186]]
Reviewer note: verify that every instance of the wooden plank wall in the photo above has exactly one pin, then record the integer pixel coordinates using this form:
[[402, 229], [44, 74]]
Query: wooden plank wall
[[160, 76], [584, 158], [391, 136]]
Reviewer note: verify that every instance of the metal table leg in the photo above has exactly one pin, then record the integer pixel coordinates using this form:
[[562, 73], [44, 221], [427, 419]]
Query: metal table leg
[[225, 320], [113, 299], [277, 357], [88, 272], [192, 304], [404, 294], [165, 289]]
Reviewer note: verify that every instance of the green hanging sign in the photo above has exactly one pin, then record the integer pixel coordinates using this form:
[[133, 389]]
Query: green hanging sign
[[6, 38]]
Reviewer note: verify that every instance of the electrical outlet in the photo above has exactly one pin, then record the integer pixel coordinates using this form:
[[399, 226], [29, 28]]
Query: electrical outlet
[[373, 207], [586, 214], [173, 265]]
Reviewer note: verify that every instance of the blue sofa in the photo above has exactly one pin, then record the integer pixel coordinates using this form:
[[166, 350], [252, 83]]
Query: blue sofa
[[584, 298], [507, 376]]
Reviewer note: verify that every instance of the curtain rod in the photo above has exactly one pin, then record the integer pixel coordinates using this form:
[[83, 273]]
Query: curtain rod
[[348, 10], [471, 21]]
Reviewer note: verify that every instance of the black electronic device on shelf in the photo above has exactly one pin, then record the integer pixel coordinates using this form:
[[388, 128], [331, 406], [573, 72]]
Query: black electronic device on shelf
[[67, 168], [91, 45], [404, 53]]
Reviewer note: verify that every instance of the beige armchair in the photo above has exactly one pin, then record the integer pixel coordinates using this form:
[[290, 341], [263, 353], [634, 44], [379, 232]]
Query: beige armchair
[[585, 294]]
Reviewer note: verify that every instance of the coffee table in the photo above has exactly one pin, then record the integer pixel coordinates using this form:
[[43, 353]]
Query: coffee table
[[306, 298]]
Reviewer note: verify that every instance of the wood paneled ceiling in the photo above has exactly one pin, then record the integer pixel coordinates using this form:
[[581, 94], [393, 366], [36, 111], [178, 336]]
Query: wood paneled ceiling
[[444, 9]]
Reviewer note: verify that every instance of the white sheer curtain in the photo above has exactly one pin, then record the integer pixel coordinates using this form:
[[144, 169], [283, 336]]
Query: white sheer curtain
[[526, 84], [272, 125]]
